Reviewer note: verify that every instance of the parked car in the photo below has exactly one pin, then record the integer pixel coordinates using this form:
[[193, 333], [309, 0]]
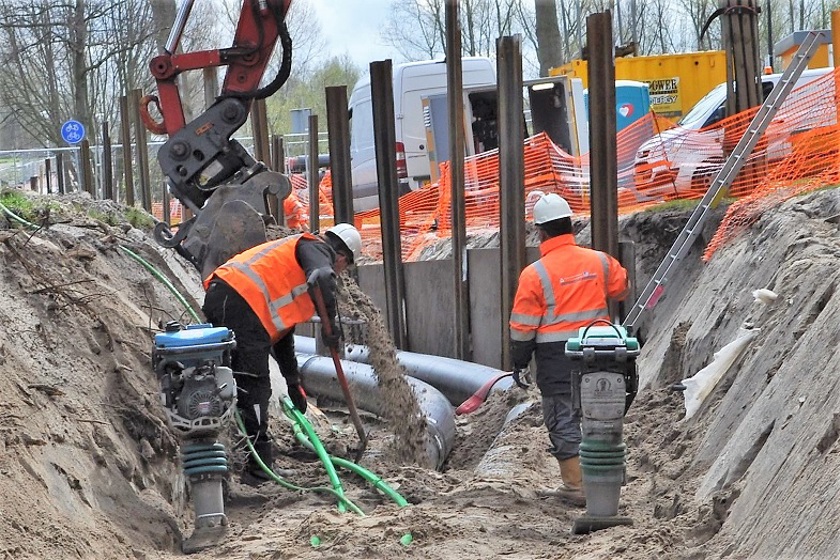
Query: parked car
[[685, 159]]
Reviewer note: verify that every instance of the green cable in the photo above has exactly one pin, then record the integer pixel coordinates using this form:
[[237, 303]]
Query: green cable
[[369, 476], [17, 218], [301, 420], [157, 274], [342, 499]]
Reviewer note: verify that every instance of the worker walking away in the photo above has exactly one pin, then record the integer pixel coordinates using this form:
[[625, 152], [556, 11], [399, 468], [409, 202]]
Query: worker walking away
[[261, 294], [567, 288]]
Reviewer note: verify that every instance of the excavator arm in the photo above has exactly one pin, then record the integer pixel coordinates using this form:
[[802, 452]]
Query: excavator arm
[[228, 192]]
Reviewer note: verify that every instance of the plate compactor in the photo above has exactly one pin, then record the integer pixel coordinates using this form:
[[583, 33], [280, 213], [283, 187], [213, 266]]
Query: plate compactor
[[603, 389], [198, 391]]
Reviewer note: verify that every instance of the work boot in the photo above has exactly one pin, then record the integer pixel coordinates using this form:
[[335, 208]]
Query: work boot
[[254, 475], [571, 491]]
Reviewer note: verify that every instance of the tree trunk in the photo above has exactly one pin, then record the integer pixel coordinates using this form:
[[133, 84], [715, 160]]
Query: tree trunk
[[549, 47]]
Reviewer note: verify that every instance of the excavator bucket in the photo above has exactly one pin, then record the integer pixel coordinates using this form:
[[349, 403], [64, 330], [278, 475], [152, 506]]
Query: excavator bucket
[[231, 221]]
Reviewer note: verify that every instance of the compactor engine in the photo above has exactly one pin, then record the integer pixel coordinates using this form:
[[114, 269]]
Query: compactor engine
[[198, 392]]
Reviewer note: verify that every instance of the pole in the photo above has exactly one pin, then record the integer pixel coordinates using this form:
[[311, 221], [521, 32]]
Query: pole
[[128, 171], [454, 95], [107, 164], [384, 137], [511, 180], [603, 150], [142, 151], [312, 175], [338, 127]]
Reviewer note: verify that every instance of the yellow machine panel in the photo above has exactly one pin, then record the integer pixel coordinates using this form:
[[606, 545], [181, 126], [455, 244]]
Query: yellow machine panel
[[677, 81]]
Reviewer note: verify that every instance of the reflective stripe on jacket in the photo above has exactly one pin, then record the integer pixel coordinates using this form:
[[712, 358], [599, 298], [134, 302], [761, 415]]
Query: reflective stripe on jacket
[[273, 283], [566, 289]]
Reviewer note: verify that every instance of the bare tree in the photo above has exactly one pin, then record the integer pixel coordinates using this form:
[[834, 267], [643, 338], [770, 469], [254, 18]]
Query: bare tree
[[549, 48]]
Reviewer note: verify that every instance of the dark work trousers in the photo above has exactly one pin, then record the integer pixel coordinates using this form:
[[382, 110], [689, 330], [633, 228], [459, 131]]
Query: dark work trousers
[[223, 307], [563, 425]]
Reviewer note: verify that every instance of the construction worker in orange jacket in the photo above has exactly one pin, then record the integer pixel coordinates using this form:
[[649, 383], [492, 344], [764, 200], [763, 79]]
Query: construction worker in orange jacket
[[567, 288], [261, 294]]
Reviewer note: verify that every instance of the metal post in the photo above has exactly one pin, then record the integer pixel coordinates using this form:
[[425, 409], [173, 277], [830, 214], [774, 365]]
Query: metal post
[[128, 171], [142, 151], [455, 94], [165, 214], [602, 131], [511, 179], [59, 171], [603, 166], [312, 175], [384, 137], [259, 127], [210, 77], [107, 165], [48, 172], [87, 171], [338, 127], [277, 164]]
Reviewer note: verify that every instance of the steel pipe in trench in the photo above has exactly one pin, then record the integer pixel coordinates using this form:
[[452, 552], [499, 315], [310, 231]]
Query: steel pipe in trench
[[320, 378], [456, 379]]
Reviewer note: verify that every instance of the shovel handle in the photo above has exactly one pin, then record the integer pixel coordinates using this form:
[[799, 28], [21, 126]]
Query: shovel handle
[[339, 371]]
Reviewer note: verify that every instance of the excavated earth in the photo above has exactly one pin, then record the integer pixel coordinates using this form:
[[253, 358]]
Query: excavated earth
[[89, 468]]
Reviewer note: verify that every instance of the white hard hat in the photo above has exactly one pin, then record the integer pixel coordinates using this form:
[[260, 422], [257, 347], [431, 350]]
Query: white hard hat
[[551, 207], [350, 236]]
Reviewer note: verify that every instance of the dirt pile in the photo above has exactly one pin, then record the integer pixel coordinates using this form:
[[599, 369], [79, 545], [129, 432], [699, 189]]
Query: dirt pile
[[88, 468]]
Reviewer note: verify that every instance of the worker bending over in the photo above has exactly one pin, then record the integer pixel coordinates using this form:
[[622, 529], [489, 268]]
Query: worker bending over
[[567, 288], [261, 294]]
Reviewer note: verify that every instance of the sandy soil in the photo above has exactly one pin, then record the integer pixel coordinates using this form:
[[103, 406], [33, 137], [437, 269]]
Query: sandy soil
[[88, 467]]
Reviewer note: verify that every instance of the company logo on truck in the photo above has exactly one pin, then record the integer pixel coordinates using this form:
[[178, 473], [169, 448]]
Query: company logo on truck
[[665, 96]]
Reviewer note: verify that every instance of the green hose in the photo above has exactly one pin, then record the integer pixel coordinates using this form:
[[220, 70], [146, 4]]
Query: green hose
[[157, 274], [301, 420], [344, 501], [17, 218], [375, 480]]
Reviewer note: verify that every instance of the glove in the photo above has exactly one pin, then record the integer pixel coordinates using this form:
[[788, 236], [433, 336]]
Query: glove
[[331, 340], [298, 396], [522, 377]]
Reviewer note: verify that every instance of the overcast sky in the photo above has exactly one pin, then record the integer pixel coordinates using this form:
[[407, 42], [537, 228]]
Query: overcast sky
[[354, 28]]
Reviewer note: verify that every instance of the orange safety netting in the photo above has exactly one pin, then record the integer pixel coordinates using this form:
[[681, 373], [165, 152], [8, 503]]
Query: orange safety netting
[[799, 153], [657, 161]]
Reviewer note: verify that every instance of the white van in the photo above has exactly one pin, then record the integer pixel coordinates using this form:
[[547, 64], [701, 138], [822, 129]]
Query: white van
[[681, 159], [412, 82]]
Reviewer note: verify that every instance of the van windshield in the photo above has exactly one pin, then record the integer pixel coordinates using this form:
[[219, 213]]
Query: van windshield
[[705, 107]]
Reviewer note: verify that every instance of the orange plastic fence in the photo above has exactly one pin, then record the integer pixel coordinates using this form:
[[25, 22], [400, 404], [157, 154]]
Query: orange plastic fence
[[657, 161], [799, 154]]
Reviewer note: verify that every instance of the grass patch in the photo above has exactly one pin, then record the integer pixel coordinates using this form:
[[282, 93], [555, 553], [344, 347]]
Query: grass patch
[[19, 204], [139, 219]]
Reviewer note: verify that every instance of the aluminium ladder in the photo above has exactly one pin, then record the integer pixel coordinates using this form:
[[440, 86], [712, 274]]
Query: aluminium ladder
[[724, 179]]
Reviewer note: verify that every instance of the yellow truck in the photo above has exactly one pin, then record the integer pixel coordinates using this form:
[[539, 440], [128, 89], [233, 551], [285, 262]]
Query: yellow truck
[[677, 81]]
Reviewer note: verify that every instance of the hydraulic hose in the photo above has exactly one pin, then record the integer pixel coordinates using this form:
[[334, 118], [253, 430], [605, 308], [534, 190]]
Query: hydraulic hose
[[343, 500]]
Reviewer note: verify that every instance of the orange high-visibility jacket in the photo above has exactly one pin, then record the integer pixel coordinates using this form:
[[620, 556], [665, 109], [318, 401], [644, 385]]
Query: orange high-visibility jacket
[[566, 289], [273, 283]]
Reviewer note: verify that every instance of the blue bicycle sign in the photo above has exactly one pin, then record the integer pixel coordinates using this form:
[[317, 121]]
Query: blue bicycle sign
[[73, 132]]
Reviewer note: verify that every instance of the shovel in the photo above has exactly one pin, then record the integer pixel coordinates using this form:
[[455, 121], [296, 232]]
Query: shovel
[[339, 370], [479, 396]]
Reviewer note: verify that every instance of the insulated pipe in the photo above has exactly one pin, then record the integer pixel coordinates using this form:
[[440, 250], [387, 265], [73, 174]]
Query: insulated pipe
[[456, 379], [319, 378]]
